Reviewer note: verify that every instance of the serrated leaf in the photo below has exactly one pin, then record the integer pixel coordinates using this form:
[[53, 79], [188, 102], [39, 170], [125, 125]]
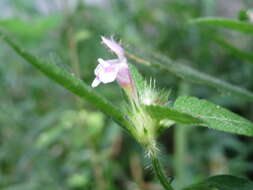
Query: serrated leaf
[[214, 116], [225, 23], [162, 112], [222, 182]]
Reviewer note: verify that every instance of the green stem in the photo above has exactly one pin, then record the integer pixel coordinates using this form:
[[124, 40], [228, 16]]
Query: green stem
[[159, 172], [180, 140], [179, 157]]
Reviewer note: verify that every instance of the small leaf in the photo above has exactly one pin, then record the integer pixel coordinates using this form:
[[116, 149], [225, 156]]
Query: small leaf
[[162, 112], [137, 78], [226, 23], [214, 116], [222, 182]]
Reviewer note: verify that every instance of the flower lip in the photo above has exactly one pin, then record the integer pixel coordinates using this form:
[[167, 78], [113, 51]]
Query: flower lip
[[114, 47], [114, 69], [95, 82], [106, 72]]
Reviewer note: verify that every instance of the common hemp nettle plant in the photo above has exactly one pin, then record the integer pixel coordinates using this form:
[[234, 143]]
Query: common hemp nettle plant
[[148, 111]]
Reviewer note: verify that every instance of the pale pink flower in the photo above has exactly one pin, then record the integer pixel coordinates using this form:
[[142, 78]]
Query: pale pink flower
[[114, 69]]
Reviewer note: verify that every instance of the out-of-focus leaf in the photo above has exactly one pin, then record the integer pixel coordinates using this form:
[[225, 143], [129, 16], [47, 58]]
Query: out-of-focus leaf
[[82, 35], [222, 182], [214, 116], [34, 28], [226, 23], [189, 74], [235, 51], [77, 180], [71, 83], [48, 137], [243, 15], [168, 113]]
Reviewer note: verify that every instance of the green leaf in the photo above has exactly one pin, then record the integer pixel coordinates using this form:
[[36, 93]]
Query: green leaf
[[222, 182], [243, 15], [32, 28], [70, 82], [235, 51], [137, 78], [162, 112], [188, 74], [214, 116], [226, 23]]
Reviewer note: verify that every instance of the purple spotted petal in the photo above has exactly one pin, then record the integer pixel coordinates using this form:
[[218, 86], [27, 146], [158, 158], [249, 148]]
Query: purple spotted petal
[[102, 64], [109, 74], [105, 72]]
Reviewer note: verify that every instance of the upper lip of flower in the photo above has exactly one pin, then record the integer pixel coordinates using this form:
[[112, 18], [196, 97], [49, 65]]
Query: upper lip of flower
[[114, 47]]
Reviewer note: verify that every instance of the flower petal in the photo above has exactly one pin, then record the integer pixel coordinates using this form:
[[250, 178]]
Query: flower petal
[[123, 76], [115, 47], [107, 70], [109, 74], [100, 66], [95, 82], [113, 61]]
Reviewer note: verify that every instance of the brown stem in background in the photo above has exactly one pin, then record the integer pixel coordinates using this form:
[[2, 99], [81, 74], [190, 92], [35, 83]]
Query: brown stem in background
[[73, 50], [97, 167], [73, 53], [136, 171], [72, 45], [116, 147], [74, 61]]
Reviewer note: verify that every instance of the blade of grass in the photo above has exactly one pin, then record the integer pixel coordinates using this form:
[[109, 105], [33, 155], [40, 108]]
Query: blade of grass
[[225, 23], [71, 83], [235, 51]]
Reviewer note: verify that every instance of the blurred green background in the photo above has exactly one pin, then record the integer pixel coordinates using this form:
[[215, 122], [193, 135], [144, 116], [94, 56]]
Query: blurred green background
[[50, 139]]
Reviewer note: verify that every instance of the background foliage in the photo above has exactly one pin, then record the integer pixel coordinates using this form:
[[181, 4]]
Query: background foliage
[[51, 139]]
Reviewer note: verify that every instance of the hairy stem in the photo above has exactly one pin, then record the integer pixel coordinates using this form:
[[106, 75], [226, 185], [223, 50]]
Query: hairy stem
[[159, 172]]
